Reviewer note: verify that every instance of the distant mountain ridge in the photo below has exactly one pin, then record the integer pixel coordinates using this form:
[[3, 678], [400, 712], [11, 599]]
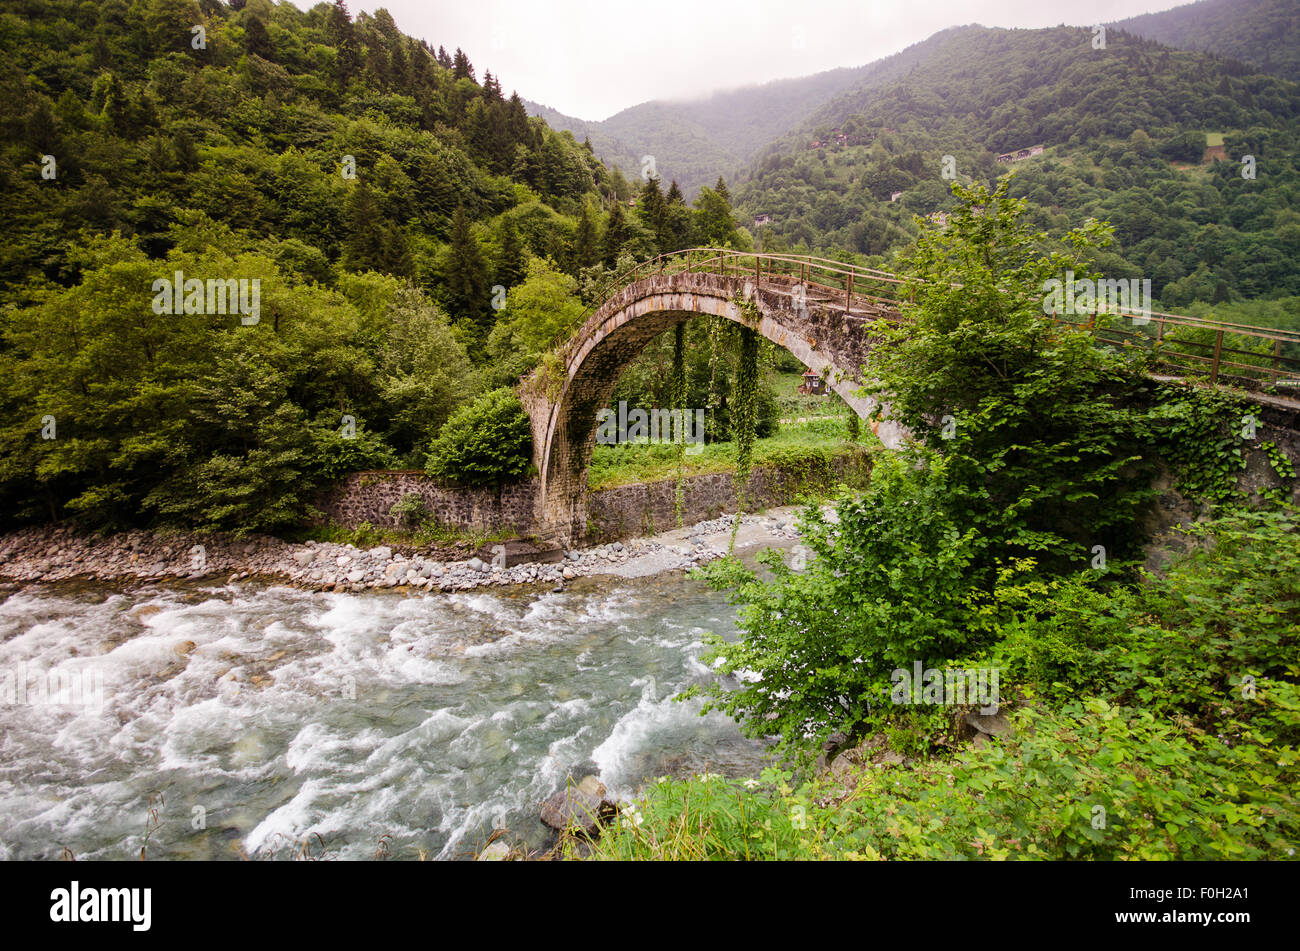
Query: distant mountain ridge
[[695, 141], [1264, 34]]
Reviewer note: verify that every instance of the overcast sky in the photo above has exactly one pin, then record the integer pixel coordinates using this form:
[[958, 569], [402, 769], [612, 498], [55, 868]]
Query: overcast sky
[[592, 58]]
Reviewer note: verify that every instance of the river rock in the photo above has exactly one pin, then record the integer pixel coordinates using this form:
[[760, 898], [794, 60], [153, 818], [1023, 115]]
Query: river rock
[[304, 556], [496, 851], [993, 724], [578, 808], [356, 576], [382, 553]]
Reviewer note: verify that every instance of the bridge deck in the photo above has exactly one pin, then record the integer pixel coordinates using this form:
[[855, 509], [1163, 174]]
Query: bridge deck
[[1237, 355]]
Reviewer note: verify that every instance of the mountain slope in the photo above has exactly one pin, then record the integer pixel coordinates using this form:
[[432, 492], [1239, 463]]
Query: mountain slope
[[1124, 129], [1264, 34]]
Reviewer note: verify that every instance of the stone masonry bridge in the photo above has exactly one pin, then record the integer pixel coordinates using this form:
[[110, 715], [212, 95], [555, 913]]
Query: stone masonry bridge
[[824, 327], [819, 310]]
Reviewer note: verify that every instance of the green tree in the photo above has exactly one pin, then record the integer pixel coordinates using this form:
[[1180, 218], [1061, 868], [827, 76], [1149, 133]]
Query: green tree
[[1040, 424], [486, 443], [714, 224], [465, 281], [539, 313]]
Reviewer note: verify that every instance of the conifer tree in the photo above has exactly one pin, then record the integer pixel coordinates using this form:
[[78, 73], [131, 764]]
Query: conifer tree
[[615, 234], [363, 248], [653, 212], [585, 246], [465, 279], [344, 37], [461, 67], [512, 264]]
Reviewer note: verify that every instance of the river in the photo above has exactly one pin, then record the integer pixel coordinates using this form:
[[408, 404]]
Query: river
[[271, 722]]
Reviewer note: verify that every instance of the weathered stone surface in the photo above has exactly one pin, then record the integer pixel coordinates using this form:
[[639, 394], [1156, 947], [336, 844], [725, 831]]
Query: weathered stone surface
[[622, 512], [369, 496], [579, 807], [521, 551], [496, 851], [830, 336]]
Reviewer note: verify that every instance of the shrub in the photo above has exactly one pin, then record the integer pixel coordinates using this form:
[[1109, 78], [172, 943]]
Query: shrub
[[1091, 781], [487, 442], [410, 511], [896, 578]]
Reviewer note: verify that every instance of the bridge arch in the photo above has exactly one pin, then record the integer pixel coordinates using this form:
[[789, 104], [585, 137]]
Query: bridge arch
[[825, 330]]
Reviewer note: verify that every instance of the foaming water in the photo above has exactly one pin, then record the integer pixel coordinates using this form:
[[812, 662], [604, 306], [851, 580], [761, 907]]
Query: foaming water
[[262, 718]]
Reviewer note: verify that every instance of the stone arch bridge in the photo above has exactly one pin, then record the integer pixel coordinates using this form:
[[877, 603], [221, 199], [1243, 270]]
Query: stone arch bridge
[[818, 310], [821, 311]]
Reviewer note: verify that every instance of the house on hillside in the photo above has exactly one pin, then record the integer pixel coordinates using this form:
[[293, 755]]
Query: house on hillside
[[812, 384], [760, 220], [894, 196], [1006, 158]]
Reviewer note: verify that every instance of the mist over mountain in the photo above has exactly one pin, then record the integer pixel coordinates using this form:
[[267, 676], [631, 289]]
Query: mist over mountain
[[696, 141]]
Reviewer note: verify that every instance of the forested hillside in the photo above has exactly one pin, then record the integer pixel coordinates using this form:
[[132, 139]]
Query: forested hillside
[[1126, 132], [414, 237], [1261, 33]]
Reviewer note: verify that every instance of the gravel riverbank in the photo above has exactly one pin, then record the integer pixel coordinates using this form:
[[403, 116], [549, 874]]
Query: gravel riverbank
[[59, 553]]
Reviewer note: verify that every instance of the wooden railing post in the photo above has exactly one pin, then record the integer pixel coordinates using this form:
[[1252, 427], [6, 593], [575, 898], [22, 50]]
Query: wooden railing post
[[848, 295], [1277, 360], [1218, 349]]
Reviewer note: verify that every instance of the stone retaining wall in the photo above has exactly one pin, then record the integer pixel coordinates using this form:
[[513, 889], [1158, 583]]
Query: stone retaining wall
[[370, 496], [621, 512], [649, 507]]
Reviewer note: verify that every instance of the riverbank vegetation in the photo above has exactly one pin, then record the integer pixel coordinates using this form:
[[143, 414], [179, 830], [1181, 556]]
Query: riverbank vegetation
[[1138, 714]]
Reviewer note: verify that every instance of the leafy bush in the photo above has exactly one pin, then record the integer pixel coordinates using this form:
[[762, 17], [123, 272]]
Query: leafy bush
[[410, 511], [1184, 745], [1039, 423], [487, 442], [1091, 781], [894, 579]]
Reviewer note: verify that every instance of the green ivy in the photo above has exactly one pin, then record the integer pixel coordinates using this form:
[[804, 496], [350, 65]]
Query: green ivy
[[1199, 434]]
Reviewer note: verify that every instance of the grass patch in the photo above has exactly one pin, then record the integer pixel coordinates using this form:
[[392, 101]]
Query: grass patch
[[628, 464]]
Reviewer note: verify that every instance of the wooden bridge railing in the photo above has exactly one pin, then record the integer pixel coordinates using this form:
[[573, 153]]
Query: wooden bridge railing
[[1224, 352]]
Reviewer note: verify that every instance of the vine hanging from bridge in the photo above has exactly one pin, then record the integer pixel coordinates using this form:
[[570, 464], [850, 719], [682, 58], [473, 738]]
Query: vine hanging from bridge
[[744, 408], [678, 397]]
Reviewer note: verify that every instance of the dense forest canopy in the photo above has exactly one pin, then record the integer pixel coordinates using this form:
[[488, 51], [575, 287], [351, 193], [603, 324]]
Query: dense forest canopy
[[416, 237], [418, 241]]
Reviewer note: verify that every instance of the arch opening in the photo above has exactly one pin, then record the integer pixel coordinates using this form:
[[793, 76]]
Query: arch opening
[[564, 412]]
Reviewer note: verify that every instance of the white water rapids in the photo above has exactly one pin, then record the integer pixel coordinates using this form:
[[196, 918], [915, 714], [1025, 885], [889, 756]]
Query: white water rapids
[[262, 718]]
